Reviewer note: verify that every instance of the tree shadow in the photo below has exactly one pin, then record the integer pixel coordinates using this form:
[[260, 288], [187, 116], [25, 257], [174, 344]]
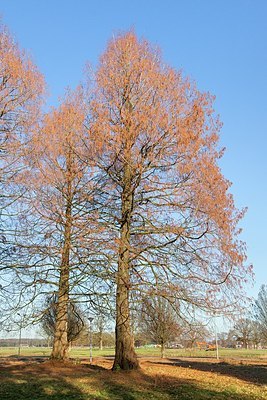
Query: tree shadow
[[139, 386], [56, 381], [28, 387], [26, 358], [95, 367], [256, 374], [52, 380]]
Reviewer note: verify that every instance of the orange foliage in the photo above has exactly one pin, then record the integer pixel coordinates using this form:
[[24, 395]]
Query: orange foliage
[[154, 123], [21, 90], [135, 166]]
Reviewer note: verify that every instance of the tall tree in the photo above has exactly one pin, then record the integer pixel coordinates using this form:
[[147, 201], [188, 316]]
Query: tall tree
[[59, 244], [21, 96], [166, 205], [65, 187], [260, 311]]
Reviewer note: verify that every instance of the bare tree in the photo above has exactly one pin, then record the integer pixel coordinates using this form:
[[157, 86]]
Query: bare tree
[[257, 338], [260, 311], [243, 330], [101, 322], [194, 333], [223, 339], [159, 320]]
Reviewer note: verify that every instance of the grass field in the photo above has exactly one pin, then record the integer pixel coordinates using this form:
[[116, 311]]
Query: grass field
[[84, 352], [183, 375], [171, 379]]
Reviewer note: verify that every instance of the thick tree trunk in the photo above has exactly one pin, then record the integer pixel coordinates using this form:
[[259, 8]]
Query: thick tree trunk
[[125, 356], [100, 343], [61, 344]]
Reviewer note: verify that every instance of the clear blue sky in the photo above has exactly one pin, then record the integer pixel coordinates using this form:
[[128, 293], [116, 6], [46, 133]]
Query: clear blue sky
[[222, 44]]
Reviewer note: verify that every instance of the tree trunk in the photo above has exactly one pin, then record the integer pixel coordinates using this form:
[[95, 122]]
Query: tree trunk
[[61, 344], [125, 356], [100, 336], [162, 350]]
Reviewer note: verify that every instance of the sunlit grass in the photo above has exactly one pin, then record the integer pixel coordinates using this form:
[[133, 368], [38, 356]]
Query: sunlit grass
[[84, 352]]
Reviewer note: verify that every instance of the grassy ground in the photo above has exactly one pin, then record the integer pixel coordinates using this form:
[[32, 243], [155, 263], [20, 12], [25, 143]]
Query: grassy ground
[[84, 352], [171, 379]]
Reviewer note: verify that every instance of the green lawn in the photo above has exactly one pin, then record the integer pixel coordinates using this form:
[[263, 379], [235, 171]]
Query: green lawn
[[84, 352]]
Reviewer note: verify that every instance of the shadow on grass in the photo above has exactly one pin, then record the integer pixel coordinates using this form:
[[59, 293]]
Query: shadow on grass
[[51, 380], [139, 386], [256, 374], [90, 382], [42, 388], [26, 358]]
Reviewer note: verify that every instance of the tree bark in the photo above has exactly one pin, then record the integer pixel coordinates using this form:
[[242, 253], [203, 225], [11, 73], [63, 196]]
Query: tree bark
[[61, 344], [125, 356]]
